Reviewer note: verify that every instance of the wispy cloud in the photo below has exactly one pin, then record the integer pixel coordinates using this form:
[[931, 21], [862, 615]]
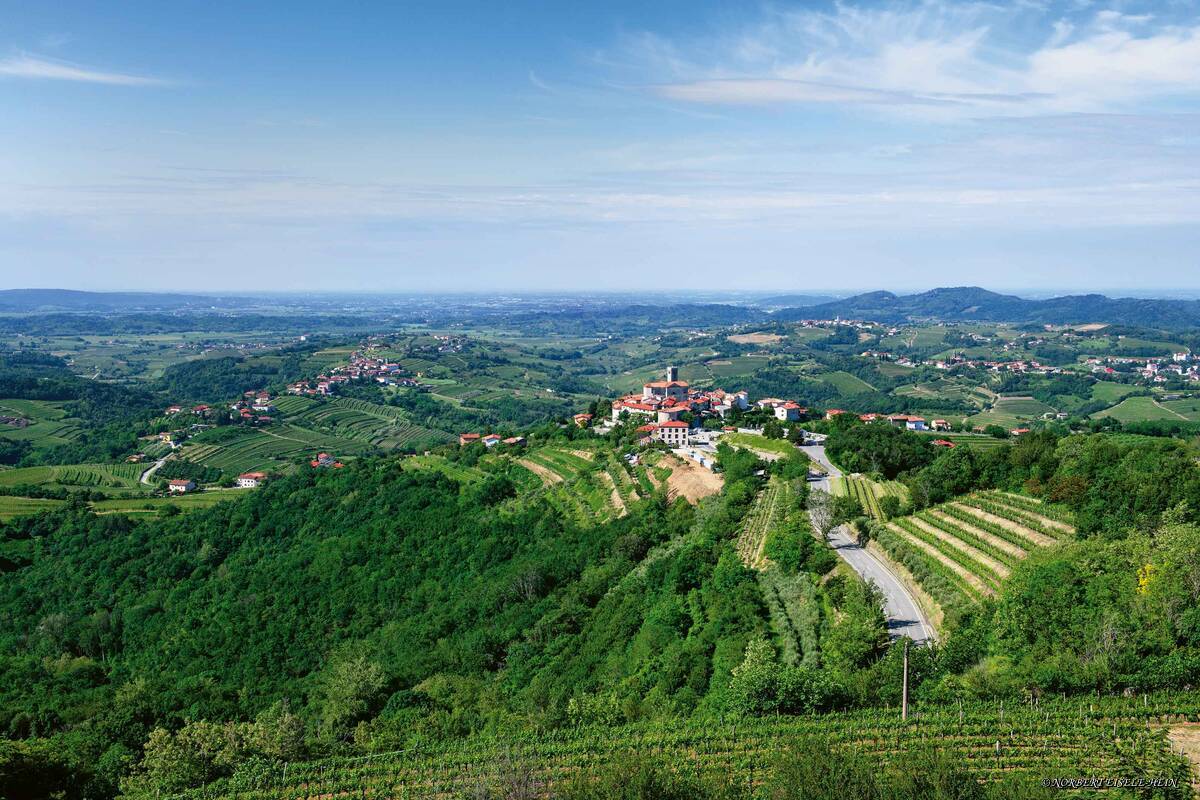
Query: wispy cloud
[[941, 57], [36, 68]]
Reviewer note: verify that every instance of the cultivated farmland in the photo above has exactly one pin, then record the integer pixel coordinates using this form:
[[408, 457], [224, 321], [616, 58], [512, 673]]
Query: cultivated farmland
[[267, 450], [991, 740], [112, 476], [960, 552], [867, 492]]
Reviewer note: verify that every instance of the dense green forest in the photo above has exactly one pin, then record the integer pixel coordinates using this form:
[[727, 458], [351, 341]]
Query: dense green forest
[[373, 608]]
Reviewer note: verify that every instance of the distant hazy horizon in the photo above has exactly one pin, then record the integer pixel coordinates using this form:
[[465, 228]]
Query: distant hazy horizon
[[732, 295], [617, 146]]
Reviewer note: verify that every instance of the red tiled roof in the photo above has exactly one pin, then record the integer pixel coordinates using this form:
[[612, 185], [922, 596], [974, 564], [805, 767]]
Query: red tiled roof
[[673, 424]]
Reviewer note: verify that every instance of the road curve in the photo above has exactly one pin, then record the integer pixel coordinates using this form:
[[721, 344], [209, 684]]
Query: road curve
[[904, 616], [148, 474]]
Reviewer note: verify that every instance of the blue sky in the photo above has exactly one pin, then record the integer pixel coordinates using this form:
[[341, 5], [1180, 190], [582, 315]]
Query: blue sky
[[454, 145]]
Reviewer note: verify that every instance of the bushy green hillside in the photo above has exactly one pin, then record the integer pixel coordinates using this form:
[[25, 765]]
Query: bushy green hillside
[[427, 606]]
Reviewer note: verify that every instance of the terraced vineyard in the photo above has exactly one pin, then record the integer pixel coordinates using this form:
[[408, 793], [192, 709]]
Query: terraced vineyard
[[49, 426], [20, 506], [371, 423], [769, 510], [451, 469], [867, 492], [113, 476], [268, 450], [555, 465], [960, 552], [1109, 736], [974, 441]]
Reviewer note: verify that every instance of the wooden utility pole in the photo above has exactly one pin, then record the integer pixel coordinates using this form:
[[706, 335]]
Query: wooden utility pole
[[904, 687]]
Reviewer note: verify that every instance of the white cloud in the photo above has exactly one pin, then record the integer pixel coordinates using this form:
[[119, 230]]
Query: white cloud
[[32, 67], [938, 58]]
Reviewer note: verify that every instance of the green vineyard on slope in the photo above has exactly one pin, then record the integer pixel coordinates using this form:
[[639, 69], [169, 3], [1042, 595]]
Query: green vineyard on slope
[[1060, 738]]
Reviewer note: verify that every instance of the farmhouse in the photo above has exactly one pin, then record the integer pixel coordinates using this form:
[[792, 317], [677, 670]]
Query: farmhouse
[[465, 439], [179, 486], [250, 480], [583, 420], [491, 440], [789, 411], [326, 461]]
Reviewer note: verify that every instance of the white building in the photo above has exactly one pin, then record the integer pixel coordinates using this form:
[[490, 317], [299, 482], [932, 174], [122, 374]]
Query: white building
[[675, 434], [250, 480]]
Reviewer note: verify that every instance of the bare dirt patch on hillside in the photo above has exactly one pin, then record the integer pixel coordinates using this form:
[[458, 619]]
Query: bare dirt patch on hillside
[[756, 338], [586, 455], [1185, 739], [548, 476], [614, 497], [690, 480]]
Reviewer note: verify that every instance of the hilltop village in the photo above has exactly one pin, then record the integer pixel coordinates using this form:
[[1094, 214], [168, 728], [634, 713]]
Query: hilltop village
[[679, 416]]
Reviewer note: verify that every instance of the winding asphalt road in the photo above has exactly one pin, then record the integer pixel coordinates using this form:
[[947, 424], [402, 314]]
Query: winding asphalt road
[[148, 474], [904, 616]]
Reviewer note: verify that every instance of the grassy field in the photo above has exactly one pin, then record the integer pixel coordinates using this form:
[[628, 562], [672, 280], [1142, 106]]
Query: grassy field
[[961, 551], [1187, 407], [20, 506], [1109, 392], [112, 476], [1103, 736], [1136, 409], [973, 441], [761, 444], [740, 365], [1012, 412], [845, 382], [50, 424], [155, 505]]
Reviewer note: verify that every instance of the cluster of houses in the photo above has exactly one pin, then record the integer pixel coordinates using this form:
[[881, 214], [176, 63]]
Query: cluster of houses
[[907, 421], [957, 361], [247, 480], [14, 422], [201, 410], [325, 461], [363, 365], [489, 440], [1180, 366], [255, 408]]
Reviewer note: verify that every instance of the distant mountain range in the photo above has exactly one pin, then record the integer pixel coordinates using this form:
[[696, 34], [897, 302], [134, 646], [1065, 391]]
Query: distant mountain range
[[29, 300], [957, 304], [971, 303]]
